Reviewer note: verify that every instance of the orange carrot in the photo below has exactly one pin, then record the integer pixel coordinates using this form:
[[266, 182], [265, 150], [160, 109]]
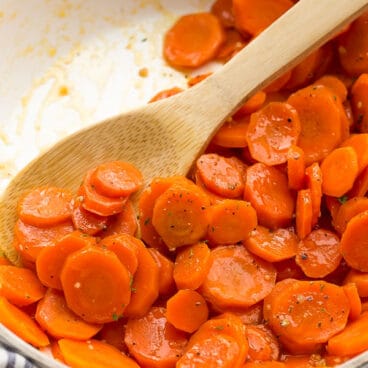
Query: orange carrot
[[288, 269], [304, 213], [102, 291], [187, 310], [213, 197], [113, 334], [295, 167], [359, 142], [252, 315], [45, 206], [272, 131], [359, 103], [191, 266], [193, 40], [319, 253], [267, 190], [233, 43], [21, 324], [253, 104], [360, 187], [223, 9], [352, 294], [264, 364], [232, 134], [278, 84], [166, 93], [334, 84], [360, 279], [314, 181], [192, 81], [54, 316], [56, 352], [4, 261], [332, 205], [153, 341]]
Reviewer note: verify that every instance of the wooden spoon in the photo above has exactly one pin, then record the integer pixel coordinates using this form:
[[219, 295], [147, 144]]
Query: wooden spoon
[[165, 137]]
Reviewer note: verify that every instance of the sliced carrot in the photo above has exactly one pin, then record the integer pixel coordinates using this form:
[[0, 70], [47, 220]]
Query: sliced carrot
[[334, 84], [252, 315], [192, 81], [253, 104], [51, 259], [318, 113], [359, 103], [352, 340], [253, 17], [332, 205], [21, 324], [360, 187], [96, 284], [97, 203], [319, 253], [54, 316], [187, 310], [223, 9], [20, 286], [314, 181], [236, 278], [45, 206], [264, 364], [213, 197], [304, 213], [56, 352], [305, 361], [153, 341], [278, 84], [166, 93], [113, 333], [193, 40], [234, 42], [180, 215], [232, 134], [339, 171], [30, 240], [354, 242], [93, 354], [166, 284], [272, 131], [360, 279], [266, 188], [352, 294], [191, 266], [230, 221], [4, 261], [359, 142], [288, 269], [295, 167]]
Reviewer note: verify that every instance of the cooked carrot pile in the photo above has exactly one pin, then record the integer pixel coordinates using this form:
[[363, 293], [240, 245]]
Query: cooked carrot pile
[[259, 258]]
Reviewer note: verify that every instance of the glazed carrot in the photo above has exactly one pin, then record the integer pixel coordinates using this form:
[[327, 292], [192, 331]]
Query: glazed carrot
[[197, 79], [339, 171], [272, 131], [359, 142], [352, 340], [56, 352], [353, 47], [360, 279], [348, 210], [319, 253], [252, 315], [113, 333], [93, 354], [359, 103], [295, 167], [126, 248], [186, 310], [288, 269], [266, 188], [352, 294], [180, 215], [234, 42], [30, 240], [51, 259], [263, 344], [264, 364], [166, 283], [304, 213], [360, 187], [144, 285], [278, 84], [232, 134], [220, 176], [21, 324], [153, 341], [102, 291], [334, 84], [97, 203], [4, 261], [230, 221], [223, 9], [332, 205], [314, 181], [85, 221], [253, 17], [20, 286], [213, 197], [354, 242], [253, 104], [307, 361], [318, 113], [191, 266], [236, 278], [272, 245], [45, 206], [166, 93], [54, 316], [193, 40]]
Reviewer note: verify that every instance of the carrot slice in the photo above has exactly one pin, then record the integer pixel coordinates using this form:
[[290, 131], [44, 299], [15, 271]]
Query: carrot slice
[[54, 316], [288, 269], [253, 104], [314, 181], [359, 142], [236, 278], [295, 167], [191, 266], [255, 16], [335, 85], [318, 113], [354, 242], [51, 259], [352, 294], [319, 253], [96, 285], [360, 279], [20, 286], [45, 206], [230, 221], [232, 134], [21, 324], [30, 240], [278, 84], [4, 261], [304, 213], [192, 81], [264, 364], [187, 310], [359, 103], [193, 40], [56, 352], [234, 42], [252, 315], [166, 93], [223, 9], [272, 131], [266, 188], [360, 187], [113, 333], [153, 341], [272, 246], [93, 354]]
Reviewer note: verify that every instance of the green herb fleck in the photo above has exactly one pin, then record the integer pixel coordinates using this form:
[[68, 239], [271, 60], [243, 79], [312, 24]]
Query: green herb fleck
[[343, 199]]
